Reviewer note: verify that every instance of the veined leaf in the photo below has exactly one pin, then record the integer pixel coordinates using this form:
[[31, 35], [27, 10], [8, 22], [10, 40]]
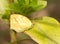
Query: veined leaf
[[19, 23]]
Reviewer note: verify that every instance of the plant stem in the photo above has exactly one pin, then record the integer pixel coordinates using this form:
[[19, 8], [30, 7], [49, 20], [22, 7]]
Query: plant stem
[[13, 37]]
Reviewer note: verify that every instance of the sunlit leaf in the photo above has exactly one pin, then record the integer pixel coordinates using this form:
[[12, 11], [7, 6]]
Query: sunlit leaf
[[19, 23]]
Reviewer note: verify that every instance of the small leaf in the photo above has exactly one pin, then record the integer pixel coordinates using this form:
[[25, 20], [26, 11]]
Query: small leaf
[[39, 5]]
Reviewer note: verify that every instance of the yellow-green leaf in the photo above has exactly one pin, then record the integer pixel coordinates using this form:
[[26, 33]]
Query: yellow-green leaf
[[48, 28]]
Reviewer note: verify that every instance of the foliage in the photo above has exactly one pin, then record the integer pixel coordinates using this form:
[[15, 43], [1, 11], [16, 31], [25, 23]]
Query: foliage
[[45, 30], [25, 7]]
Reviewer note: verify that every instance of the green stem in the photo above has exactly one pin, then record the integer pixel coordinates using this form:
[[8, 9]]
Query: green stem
[[13, 37]]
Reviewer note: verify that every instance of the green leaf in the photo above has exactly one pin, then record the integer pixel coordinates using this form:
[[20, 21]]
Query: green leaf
[[45, 31], [27, 6], [38, 5], [47, 20], [38, 35]]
